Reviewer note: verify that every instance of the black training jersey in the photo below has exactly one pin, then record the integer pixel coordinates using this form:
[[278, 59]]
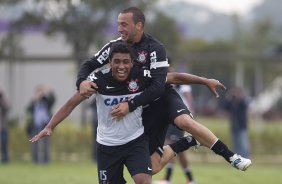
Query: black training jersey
[[149, 54], [112, 131]]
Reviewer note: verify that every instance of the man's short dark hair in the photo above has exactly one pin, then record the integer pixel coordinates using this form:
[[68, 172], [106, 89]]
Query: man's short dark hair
[[138, 15], [121, 47]]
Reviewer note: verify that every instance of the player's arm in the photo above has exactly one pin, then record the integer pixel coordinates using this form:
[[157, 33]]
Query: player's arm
[[59, 116], [158, 69], [85, 87], [185, 78]]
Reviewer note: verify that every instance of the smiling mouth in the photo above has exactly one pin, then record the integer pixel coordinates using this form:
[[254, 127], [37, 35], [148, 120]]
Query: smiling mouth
[[123, 36], [121, 73]]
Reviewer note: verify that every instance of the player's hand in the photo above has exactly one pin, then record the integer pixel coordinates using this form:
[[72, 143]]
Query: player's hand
[[120, 110], [212, 84], [87, 88], [45, 132]]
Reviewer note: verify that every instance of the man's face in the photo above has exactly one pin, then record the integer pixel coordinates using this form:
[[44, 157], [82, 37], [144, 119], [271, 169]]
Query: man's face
[[121, 65], [126, 27]]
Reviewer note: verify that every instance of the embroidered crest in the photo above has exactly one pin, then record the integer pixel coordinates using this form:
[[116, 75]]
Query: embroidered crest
[[133, 85], [142, 56]]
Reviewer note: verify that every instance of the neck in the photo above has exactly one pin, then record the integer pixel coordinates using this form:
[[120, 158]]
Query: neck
[[138, 38]]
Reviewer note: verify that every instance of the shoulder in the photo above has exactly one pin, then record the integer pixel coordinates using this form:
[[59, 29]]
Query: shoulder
[[114, 41], [152, 40], [97, 75], [106, 48], [156, 48]]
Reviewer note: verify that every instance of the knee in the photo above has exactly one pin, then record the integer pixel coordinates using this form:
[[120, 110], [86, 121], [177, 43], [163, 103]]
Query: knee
[[143, 179], [144, 182], [156, 163], [156, 168], [184, 122]]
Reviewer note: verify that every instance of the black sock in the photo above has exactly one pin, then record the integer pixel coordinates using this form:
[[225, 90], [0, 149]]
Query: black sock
[[188, 174], [183, 144], [221, 149], [168, 173]]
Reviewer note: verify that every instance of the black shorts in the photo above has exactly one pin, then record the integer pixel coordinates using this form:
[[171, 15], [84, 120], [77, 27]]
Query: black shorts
[[159, 114], [111, 160]]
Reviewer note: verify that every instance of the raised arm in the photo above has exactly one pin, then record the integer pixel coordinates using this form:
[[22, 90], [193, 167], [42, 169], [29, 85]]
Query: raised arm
[[185, 78], [59, 116]]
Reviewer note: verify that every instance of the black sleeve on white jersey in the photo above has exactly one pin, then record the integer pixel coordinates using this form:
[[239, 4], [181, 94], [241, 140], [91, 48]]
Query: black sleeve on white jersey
[[91, 64], [93, 77], [159, 68]]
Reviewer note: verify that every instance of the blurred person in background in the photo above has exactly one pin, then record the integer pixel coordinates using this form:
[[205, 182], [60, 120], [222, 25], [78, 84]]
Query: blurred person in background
[[237, 107], [39, 111], [4, 109]]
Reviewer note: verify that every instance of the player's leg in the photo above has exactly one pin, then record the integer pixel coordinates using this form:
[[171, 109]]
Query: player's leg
[[183, 119], [172, 135], [200, 132], [110, 164], [138, 161], [168, 173], [142, 178], [169, 170], [155, 121], [155, 128], [160, 156], [160, 160], [183, 160], [208, 139]]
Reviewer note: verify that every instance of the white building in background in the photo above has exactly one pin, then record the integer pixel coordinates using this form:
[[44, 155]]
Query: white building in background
[[19, 79]]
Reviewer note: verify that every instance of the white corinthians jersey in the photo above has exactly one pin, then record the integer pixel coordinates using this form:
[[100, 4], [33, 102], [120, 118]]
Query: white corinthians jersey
[[112, 131]]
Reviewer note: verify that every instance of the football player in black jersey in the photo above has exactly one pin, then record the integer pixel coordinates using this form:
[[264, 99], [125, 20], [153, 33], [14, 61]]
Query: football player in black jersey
[[113, 86], [150, 53]]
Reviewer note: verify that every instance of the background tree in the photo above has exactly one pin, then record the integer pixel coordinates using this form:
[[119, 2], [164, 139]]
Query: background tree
[[165, 29], [81, 22]]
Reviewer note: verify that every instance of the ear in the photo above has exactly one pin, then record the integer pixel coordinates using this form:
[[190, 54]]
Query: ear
[[139, 26], [110, 62]]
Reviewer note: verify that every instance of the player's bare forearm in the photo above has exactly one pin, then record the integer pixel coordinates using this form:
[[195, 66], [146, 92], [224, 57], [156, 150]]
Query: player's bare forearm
[[185, 78], [65, 110]]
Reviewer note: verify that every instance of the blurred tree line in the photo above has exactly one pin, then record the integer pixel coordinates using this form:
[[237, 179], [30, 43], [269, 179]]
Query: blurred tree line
[[248, 58]]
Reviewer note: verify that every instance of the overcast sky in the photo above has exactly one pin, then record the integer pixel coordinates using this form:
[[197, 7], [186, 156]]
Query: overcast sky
[[226, 6]]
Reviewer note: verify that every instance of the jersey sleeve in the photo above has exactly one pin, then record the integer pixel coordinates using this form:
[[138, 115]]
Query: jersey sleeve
[[158, 68], [97, 61], [96, 77]]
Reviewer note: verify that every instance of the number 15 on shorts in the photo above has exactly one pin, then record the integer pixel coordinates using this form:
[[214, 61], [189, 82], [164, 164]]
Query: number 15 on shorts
[[103, 175]]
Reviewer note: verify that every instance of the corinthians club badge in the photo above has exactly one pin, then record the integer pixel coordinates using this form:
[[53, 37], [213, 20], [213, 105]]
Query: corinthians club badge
[[133, 85], [142, 56]]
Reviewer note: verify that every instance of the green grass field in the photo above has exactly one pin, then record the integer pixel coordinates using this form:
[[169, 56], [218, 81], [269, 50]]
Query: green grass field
[[83, 172], [74, 144]]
